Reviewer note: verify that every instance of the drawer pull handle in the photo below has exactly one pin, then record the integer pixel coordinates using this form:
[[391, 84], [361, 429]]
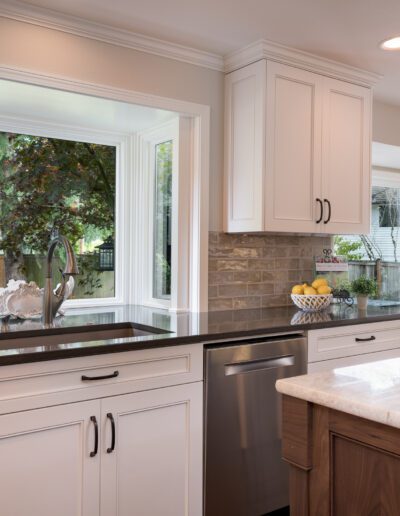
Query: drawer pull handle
[[367, 339], [96, 436], [85, 378], [112, 447]]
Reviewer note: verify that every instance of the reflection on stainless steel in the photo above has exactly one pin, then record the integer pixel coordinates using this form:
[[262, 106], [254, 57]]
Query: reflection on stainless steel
[[53, 300], [245, 475]]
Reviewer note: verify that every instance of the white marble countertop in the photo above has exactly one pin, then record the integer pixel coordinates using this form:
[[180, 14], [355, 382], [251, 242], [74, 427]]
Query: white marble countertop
[[370, 391]]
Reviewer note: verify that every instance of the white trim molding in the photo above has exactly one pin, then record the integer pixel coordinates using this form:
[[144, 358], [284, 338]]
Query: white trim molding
[[35, 15], [264, 49], [261, 49]]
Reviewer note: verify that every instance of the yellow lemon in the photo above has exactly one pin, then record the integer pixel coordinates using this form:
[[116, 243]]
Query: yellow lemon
[[310, 291], [319, 282], [324, 289], [298, 289]]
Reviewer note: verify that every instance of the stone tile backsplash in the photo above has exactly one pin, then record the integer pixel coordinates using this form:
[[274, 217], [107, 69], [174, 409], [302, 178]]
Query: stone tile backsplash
[[257, 271]]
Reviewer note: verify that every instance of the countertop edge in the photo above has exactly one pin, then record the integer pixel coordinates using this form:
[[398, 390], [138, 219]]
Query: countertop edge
[[341, 403]]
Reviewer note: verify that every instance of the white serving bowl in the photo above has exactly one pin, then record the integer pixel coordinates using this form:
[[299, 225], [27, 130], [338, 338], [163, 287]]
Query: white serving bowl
[[312, 303]]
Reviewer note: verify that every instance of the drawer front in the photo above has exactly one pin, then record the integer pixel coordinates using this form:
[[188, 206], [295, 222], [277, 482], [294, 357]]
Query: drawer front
[[329, 365], [97, 376], [331, 343]]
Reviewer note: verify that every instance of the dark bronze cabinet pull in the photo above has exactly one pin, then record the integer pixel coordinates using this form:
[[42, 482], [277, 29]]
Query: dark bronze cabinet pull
[[329, 211], [321, 213], [96, 436], [367, 339], [112, 447], [85, 378]]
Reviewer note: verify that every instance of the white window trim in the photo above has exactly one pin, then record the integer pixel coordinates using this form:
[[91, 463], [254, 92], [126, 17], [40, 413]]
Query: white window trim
[[385, 178], [120, 141], [148, 140], [198, 174]]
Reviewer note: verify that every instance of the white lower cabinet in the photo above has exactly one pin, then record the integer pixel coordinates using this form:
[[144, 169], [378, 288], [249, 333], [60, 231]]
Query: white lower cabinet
[[135, 454], [45, 463], [154, 465]]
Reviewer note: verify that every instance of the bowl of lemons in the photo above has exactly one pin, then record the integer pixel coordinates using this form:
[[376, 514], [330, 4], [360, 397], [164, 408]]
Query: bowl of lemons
[[314, 297]]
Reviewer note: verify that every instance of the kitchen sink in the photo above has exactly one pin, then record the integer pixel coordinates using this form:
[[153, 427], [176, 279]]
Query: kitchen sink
[[54, 336]]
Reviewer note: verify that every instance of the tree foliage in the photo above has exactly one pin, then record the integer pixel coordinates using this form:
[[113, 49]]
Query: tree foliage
[[48, 183]]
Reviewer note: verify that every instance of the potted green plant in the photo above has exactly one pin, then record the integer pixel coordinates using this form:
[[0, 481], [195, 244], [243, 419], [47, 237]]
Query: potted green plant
[[363, 287]]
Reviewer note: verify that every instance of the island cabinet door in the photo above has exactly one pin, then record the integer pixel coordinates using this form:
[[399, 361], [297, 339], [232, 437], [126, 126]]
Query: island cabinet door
[[46, 467], [152, 453]]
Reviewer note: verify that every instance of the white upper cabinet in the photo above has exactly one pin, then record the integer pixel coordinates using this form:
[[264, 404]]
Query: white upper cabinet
[[346, 157], [293, 149], [244, 151], [297, 151]]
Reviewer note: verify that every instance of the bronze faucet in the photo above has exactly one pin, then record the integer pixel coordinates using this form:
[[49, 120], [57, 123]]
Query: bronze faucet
[[53, 300]]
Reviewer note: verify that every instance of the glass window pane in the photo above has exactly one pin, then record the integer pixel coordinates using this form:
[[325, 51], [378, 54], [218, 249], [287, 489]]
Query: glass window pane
[[46, 184], [162, 221]]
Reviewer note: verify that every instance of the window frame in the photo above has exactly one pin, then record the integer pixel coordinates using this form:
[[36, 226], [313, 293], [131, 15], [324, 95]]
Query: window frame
[[148, 140], [198, 173], [118, 140]]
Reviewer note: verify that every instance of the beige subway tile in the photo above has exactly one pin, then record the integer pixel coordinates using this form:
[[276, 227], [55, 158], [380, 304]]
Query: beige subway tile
[[246, 302], [212, 291], [220, 277], [260, 288], [231, 265], [287, 263], [261, 265], [247, 252], [238, 289], [247, 276], [220, 304]]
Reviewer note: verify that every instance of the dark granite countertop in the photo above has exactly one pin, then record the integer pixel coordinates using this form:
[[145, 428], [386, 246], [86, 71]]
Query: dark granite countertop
[[180, 328]]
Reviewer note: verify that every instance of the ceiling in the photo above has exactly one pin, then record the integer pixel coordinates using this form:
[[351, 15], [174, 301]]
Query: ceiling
[[346, 30], [25, 101]]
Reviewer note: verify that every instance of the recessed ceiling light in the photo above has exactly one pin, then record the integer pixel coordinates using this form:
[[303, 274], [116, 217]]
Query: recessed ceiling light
[[391, 44]]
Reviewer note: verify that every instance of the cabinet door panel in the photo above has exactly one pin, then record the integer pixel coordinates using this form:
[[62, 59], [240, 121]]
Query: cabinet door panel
[[156, 467], [45, 466], [244, 148], [346, 156], [293, 150]]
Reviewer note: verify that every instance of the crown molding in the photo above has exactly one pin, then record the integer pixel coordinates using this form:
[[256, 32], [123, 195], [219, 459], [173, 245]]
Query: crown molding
[[20, 11], [264, 49]]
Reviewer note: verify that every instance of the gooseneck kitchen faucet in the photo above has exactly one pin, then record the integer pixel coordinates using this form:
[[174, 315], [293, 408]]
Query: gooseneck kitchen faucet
[[53, 300]]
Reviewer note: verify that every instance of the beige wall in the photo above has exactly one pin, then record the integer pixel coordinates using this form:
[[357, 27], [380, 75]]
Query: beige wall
[[49, 51], [386, 123]]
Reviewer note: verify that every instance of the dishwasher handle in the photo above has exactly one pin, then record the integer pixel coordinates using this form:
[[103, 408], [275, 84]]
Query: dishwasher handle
[[260, 364]]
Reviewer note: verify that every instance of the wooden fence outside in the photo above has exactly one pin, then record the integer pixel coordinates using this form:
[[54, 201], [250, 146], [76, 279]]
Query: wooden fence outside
[[387, 275], [34, 265]]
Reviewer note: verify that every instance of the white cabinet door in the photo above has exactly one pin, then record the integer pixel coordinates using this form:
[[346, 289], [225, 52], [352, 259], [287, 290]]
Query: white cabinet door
[[155, 468], [293, 149], [244, 148], [346, 165], [45, 463]]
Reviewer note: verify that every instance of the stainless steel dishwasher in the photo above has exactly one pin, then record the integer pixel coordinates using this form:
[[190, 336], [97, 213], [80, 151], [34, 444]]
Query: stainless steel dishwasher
[[244, 472]]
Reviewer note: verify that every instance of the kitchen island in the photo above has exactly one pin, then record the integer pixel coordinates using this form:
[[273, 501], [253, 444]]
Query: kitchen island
[[341, 438]]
